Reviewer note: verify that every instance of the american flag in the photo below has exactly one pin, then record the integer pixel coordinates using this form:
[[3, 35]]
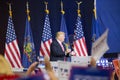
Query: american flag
[[46, 38], [79, 39], [12, 53]]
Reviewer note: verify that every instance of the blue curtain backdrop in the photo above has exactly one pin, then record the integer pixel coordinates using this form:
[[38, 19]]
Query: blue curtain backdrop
[[108, 13]]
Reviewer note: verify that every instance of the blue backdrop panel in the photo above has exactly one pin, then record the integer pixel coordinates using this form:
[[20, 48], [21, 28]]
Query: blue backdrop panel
[[108, 14]]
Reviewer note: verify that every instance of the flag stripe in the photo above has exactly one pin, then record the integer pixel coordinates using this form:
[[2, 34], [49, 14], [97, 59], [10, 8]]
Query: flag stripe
[[43, 50], [77, 51], [9, 60], [15, 52], [82, 47], [84, 43], [47, 50], [10, 55], [10, 46], [79, 48], [49, 42]]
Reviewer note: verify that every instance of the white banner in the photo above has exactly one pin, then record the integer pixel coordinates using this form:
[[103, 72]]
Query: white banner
[[100, 46]]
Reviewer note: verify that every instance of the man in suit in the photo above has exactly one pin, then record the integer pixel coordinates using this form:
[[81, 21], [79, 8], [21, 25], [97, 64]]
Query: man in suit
[[58, 49]]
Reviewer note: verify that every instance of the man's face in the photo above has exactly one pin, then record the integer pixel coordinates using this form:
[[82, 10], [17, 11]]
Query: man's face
[[62, 37]]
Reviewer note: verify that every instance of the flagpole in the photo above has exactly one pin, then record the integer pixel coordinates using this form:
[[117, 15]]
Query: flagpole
[[10, 10], [62, 11], [94, 10], [78, 10], [46, 8], [94, 36], [28, 11]]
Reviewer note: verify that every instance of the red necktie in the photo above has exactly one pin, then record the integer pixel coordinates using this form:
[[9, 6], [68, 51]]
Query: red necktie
[[62, 46]]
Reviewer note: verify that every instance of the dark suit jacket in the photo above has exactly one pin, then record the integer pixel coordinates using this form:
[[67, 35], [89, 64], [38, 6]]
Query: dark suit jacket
[[56, 52]]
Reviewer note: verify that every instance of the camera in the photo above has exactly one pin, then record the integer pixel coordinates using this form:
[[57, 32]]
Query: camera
[[41, 62]]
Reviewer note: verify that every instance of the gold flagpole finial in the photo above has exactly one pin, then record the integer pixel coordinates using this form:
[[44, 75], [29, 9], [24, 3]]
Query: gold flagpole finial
[[46, 8], [62, 11], [28, 11], [10, 10], [78, 10]]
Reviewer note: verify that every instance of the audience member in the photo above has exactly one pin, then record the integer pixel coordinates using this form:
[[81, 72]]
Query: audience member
[[116, 63], [6, 69], [4, 66]]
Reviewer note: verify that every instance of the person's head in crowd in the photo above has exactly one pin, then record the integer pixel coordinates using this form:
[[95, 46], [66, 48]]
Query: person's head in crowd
[[5, 68], [60, 36], [93, 62]]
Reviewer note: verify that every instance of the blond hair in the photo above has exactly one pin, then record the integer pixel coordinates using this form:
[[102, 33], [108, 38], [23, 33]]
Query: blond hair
[[59, 33], [5, 68]]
